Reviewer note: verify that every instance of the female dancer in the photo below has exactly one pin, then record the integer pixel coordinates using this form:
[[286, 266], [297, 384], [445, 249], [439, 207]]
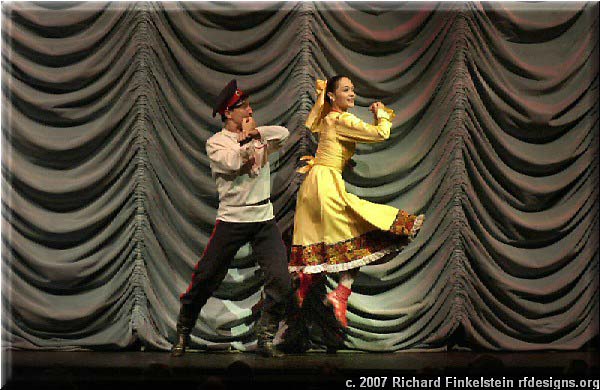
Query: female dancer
[[335, 231]]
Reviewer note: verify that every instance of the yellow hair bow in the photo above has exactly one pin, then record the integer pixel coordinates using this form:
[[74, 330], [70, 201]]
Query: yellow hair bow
[[320, 109]]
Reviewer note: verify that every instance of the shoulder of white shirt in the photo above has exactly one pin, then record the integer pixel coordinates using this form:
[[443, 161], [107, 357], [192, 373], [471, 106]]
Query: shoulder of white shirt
[[221, 135]]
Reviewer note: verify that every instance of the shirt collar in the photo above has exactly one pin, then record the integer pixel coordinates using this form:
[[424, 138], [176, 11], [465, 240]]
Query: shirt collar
[[229, 134]]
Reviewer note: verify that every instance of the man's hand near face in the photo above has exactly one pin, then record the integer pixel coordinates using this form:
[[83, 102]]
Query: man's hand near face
[[248, 130]]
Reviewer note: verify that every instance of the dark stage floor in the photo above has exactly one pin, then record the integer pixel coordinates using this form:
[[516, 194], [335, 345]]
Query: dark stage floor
[[224, 370]]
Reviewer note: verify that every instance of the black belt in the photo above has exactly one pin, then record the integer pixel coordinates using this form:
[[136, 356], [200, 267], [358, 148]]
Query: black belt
[[264, 201]]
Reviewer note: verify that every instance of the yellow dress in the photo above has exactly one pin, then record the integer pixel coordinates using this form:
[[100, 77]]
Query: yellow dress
[[333, 230]]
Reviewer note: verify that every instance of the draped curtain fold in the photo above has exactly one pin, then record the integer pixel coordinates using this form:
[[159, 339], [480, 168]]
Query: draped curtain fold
[[108, 200]]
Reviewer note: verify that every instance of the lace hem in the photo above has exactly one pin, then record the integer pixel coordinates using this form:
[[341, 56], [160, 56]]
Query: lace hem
[[417, 225], [357, 251]]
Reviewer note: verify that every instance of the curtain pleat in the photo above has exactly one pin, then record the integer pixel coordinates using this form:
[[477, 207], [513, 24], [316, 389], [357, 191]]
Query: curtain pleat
[[108, 199]]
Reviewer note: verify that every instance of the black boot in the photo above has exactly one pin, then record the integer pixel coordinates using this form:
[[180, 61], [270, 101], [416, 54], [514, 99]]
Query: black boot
[[266, 328], [295, 338], [185, 324]]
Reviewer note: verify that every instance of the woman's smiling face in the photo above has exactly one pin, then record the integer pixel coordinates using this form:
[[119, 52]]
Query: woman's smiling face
[[343, 97]]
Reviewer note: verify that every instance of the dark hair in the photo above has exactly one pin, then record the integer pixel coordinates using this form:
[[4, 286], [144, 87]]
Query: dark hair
[[332, 84]]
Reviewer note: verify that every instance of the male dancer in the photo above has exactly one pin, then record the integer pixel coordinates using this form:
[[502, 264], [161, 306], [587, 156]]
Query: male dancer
[[239, 164]]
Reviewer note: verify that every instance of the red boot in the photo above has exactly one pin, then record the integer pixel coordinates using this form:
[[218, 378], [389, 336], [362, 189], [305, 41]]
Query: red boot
[[306, 281], [338, 298]]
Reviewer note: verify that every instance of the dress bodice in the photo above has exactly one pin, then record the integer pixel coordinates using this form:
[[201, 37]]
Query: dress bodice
[[339, 133]]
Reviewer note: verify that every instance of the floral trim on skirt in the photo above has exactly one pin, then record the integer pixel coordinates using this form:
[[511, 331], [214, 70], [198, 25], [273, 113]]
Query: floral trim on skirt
[[357, 251]]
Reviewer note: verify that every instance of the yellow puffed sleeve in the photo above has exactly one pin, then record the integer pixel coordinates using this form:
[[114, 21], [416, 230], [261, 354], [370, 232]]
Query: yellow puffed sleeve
[[350, 128]]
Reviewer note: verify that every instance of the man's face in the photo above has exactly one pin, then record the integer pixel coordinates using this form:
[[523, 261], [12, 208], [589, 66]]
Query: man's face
[[239, 113]]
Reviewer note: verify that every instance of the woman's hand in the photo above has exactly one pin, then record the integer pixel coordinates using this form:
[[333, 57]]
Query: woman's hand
[[374, 107]]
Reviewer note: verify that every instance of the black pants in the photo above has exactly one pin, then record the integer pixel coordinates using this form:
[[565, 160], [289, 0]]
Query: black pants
[[226, 239]]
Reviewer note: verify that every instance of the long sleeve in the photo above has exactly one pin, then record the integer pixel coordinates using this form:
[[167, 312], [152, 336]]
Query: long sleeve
[[227, 157], [274, 136], [351, 128]]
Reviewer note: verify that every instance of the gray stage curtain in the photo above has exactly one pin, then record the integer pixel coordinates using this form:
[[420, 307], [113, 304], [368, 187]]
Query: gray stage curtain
[[108, 200]]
